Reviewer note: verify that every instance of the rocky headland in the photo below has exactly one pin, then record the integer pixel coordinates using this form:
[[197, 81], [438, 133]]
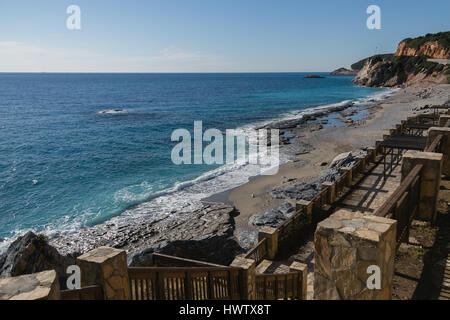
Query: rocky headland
[[413, 64], [344, 72]]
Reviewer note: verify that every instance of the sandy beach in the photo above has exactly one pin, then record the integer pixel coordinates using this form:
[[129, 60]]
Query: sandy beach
[[253, 197]]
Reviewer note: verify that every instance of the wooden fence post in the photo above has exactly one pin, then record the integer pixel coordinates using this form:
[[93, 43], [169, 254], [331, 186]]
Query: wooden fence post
[[430, 180], [331, 194], [271, 236], [302, 270], [247, 277]]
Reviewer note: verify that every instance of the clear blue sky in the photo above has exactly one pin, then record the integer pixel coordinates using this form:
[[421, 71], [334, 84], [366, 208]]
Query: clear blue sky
[[206, 35]]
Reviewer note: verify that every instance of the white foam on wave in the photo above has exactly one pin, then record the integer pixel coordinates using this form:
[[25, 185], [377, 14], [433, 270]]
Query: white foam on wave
[[186, 196], [112, 111]]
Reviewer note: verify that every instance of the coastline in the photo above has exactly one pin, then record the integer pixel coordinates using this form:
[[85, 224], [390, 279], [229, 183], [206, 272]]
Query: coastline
[[254, 197], [194, 226], [186, 195]]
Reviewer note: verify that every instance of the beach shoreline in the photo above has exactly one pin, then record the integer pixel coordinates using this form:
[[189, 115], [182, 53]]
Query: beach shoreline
[[254, 196], [232, 208]]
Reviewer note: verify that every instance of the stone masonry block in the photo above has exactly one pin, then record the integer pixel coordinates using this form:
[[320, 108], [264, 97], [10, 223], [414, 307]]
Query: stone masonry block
[[346, 244]]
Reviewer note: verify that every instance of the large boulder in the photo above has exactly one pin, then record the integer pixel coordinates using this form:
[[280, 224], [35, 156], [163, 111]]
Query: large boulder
[[205, 234], [31, 253], [308, 190], [274, 217]]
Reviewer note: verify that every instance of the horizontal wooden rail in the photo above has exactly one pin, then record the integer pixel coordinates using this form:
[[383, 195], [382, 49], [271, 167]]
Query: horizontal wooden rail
[[259, 252], [285, 228], [195, 283], [278, 286], [137, 271], [403, 205], [86, 293], [387, 207], [435, 146], [162, 260]]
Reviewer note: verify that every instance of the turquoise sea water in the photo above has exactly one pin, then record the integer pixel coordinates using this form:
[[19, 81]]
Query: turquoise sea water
[[65, 164]]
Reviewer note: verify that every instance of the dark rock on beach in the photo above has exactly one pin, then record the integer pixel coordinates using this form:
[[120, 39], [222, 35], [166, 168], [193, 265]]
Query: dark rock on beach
[[31, 253], [304, 119], [205, 234], [247, 238], [302, 191], [308, 190], [273, 218]]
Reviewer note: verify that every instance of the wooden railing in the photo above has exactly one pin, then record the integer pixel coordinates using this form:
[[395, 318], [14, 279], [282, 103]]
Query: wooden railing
[[322, 199], [341, 184], [435, 146], [162, 260], [87, 293], [184, 283], [259, 252], [278, 286], [403, 204], [286, 227]]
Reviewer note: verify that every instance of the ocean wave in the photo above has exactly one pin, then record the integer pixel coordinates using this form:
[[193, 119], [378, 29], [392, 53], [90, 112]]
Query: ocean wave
[[112, 111], [185, 196]]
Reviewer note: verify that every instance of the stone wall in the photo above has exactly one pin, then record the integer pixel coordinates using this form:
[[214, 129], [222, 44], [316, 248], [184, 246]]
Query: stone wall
[[37, 286], [346, 244], [106, 267]]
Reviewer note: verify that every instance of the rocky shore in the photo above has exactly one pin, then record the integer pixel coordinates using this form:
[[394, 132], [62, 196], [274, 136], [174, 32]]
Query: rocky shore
[[218, 232], [205, 234], [208, 233]]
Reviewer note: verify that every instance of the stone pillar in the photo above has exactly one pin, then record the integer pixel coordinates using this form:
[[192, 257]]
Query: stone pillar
[[271, 234], [346, 245], [445, 146], [37, 286], [106, 267], [331, 194], [304, 205], [247, 274], [430, 180], [364, 164], [373, 155], [307, 206], [349, 179], [443, 120], [302, 270], [378, 148]]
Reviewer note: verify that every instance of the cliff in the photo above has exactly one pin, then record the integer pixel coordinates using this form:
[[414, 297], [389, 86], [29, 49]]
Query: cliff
[[410, 65], [433, 46]]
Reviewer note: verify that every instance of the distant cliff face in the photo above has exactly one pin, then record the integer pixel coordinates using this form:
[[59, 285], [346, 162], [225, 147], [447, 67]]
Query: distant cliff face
[[344, 72], [432, 50], [410, 65]]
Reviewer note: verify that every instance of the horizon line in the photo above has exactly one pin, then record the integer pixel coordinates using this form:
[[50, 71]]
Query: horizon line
[[170, 72]]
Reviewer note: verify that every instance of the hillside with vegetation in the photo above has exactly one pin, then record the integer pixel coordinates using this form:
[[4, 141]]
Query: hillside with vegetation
[[410, 65]]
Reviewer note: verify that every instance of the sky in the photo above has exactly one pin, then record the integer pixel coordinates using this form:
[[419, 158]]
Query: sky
[[206, 35]]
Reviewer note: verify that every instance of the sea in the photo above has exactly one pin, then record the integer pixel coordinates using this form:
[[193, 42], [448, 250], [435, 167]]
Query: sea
[[77, 150]]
